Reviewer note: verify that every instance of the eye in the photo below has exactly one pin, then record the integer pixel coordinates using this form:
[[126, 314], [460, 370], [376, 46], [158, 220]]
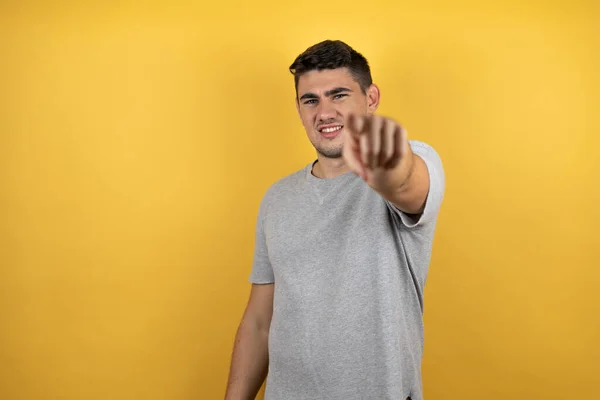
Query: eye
[[311, 101], [339, 96]]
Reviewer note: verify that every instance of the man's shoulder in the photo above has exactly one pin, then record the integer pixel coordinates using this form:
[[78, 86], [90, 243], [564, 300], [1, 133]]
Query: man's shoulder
[[289, 181], [430, 155], [419, 146], [286, 185]]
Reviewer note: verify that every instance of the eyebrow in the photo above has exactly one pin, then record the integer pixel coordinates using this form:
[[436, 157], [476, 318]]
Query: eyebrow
[[328, 93]]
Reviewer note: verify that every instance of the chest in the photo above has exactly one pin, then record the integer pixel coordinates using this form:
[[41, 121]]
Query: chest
[[309, 241]]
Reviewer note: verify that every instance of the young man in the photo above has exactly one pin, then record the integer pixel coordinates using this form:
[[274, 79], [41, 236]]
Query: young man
[[342, 249]]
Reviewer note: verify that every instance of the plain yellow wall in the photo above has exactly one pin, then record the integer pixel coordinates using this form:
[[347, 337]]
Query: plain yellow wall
[[137, 141]]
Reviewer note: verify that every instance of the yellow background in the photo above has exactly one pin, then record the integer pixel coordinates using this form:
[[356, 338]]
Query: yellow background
[[137, 141]]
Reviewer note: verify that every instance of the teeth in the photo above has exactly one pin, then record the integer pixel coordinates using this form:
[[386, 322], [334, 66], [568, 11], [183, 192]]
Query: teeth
[[332, 129]]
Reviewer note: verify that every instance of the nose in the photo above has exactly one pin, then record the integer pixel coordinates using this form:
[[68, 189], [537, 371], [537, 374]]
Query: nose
[[326, 111]]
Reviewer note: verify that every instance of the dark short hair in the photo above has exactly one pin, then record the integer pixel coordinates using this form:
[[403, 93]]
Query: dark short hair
[[333, 54]]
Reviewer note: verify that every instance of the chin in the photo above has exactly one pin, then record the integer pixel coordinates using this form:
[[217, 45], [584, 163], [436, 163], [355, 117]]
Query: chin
[[334, 152]]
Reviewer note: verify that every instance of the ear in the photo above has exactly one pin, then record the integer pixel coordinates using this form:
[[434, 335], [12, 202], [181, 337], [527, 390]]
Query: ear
[[373, 97]]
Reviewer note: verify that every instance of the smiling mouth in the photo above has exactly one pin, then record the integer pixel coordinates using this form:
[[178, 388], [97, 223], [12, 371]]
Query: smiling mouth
[[331, 129]]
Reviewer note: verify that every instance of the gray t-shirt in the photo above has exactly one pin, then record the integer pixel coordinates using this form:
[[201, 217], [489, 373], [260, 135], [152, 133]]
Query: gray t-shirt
[[349, 270]]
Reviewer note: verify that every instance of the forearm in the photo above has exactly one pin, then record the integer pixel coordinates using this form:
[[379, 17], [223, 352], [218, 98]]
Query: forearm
[[406, 186], [249, 362]]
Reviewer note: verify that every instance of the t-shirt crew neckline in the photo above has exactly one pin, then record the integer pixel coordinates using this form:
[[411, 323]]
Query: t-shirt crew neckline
[[326, 188], [326, 181]]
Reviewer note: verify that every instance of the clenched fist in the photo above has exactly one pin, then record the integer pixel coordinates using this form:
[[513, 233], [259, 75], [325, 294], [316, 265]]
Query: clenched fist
[[374, 146]]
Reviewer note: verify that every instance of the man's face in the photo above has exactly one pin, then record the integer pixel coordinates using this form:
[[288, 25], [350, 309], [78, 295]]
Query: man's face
[[325, 100]]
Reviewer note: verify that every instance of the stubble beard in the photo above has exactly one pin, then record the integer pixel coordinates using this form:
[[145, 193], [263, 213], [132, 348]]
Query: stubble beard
[[331, 152], [328, 149]]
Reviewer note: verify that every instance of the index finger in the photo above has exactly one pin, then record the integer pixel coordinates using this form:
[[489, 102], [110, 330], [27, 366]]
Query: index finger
[[355, 125]]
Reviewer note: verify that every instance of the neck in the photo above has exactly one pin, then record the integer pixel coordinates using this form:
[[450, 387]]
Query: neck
[[327, 168]]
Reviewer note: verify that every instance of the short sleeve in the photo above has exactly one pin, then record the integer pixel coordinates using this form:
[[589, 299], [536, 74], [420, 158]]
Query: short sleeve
[[437, 185], [262, 272]]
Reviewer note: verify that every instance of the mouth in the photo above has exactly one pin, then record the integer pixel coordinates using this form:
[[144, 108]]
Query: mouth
[[330, 131]]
